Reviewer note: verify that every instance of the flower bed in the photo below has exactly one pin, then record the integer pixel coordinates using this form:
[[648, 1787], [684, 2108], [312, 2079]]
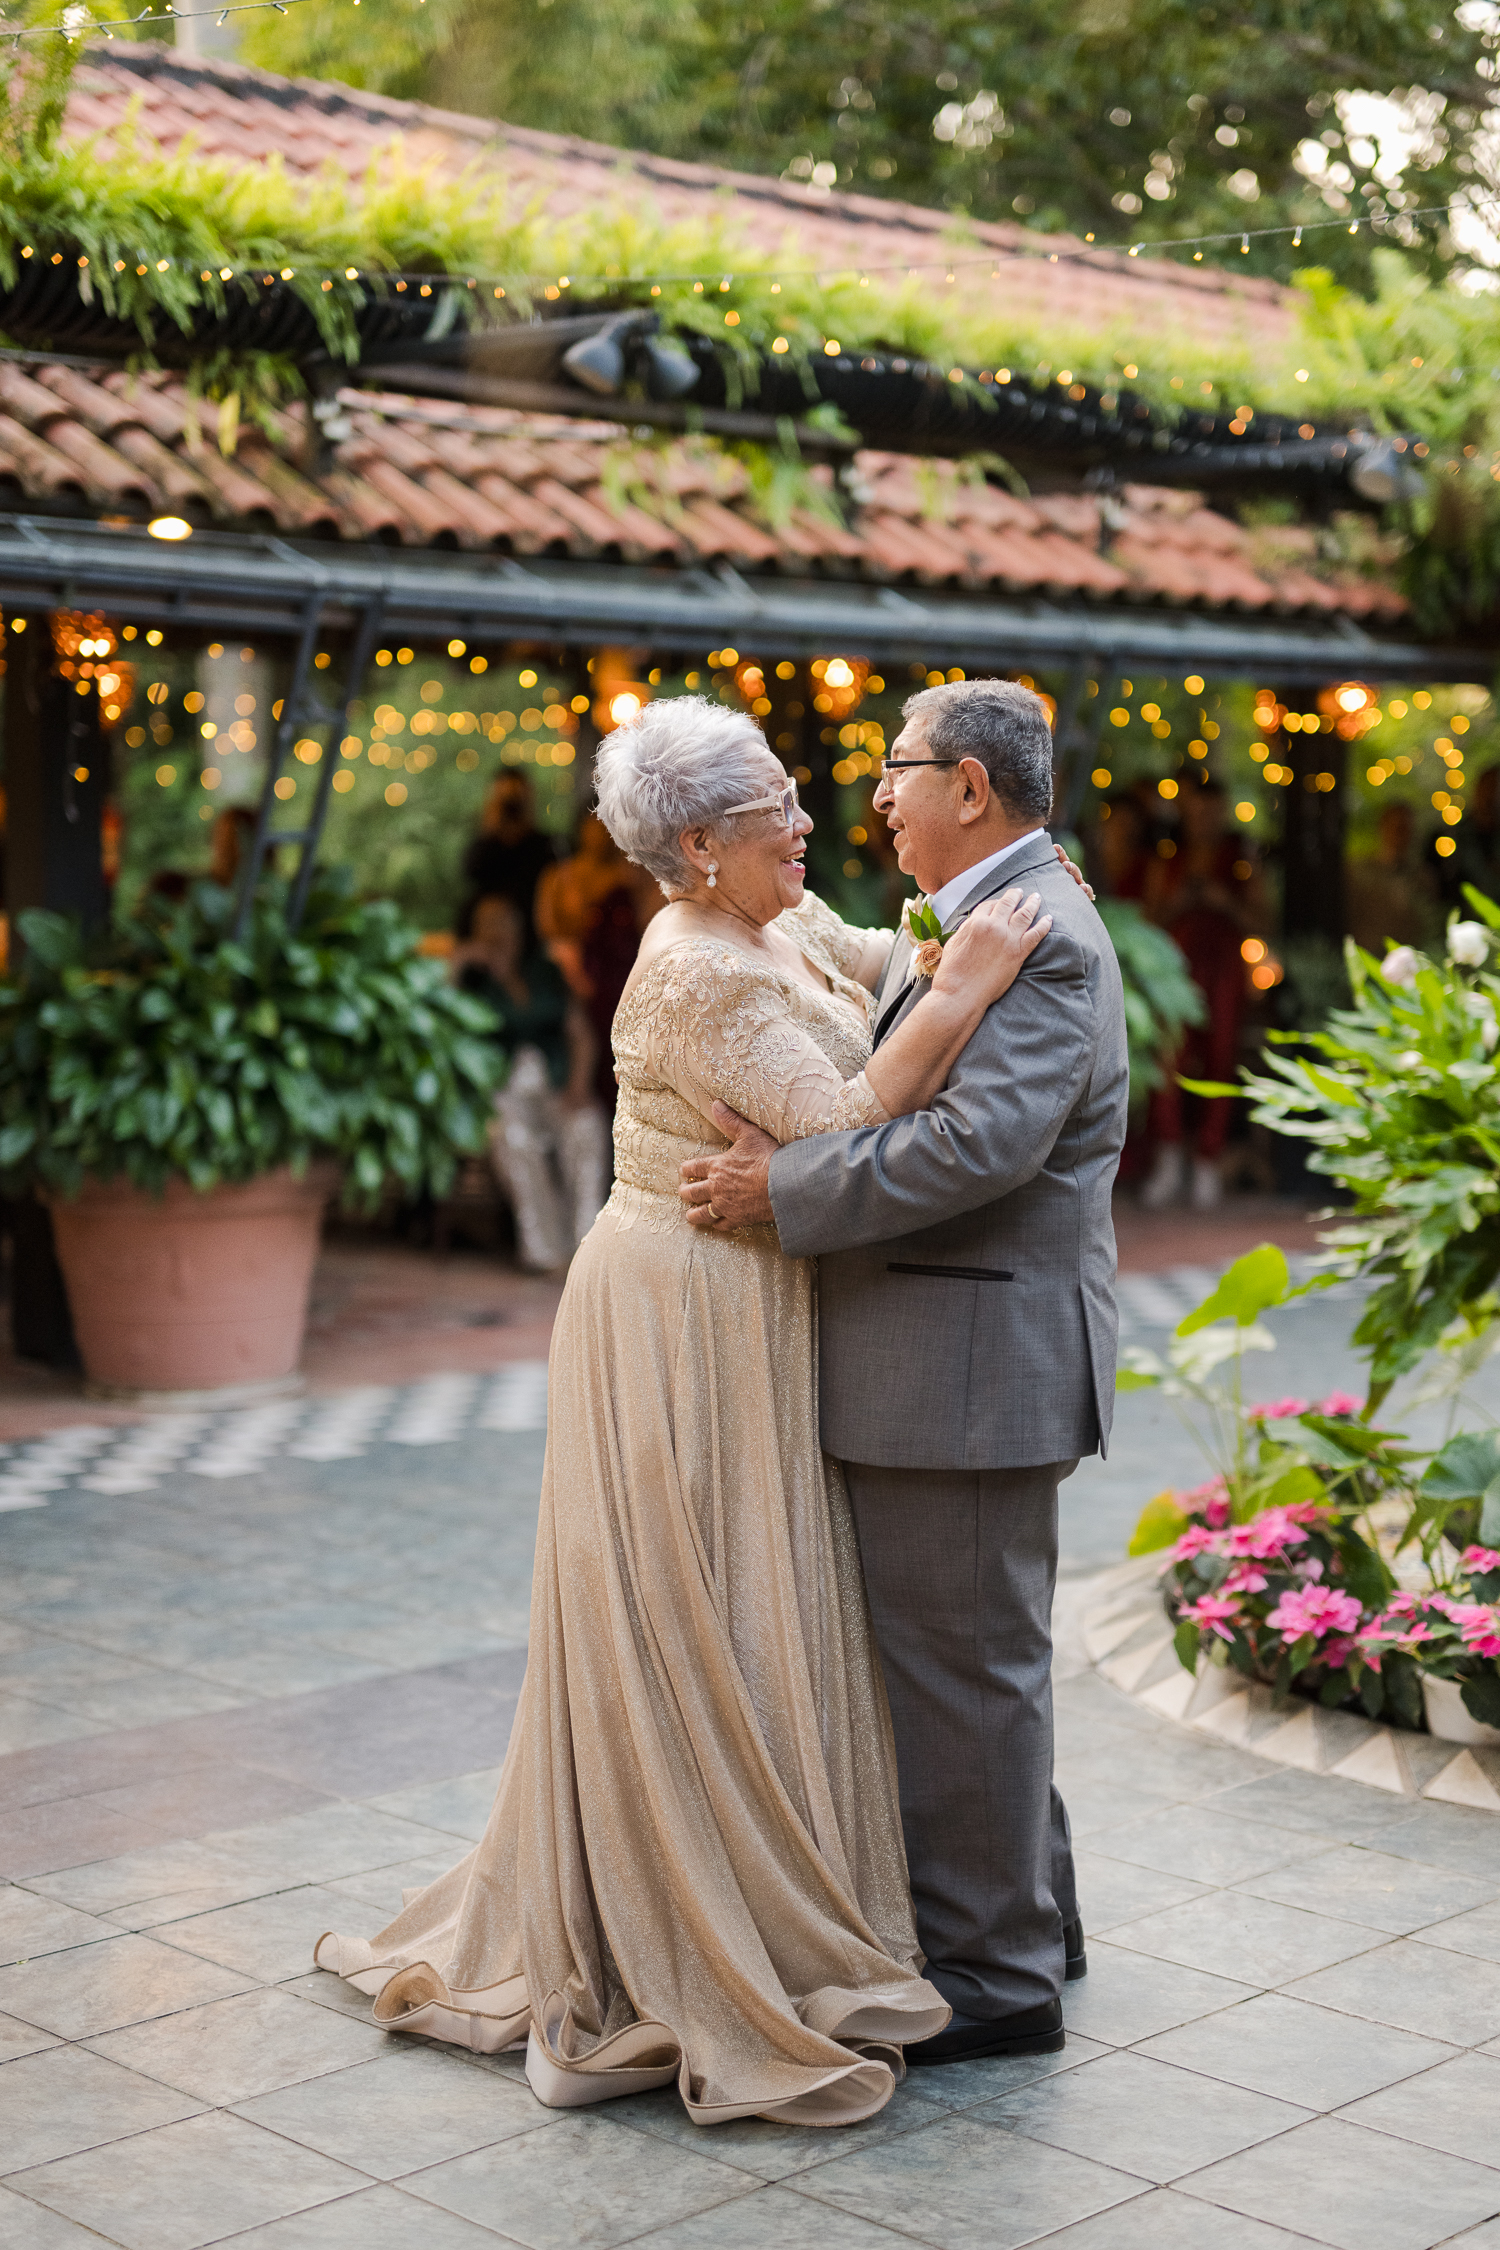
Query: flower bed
[[1328, 1558], [1286, 1595]]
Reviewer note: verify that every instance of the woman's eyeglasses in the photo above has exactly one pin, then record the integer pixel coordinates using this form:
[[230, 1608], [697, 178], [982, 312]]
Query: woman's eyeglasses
[[784, 801]]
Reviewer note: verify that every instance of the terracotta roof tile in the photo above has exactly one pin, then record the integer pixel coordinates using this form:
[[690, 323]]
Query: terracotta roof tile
[[539, 526], [363, 512], [646, 533], [423, 471], [38, 468], [717, 530]]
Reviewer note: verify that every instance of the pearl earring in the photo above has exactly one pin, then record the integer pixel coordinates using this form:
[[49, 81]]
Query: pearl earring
[[713, 874]]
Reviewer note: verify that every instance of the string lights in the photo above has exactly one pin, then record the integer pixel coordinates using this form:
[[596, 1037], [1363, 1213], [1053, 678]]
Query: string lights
[[80, 23], [552, 286]]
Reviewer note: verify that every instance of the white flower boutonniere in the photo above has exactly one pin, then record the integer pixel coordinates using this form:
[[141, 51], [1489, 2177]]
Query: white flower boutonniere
[[926, 934]]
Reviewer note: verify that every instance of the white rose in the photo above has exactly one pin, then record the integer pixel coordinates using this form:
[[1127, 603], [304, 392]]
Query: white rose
[[1400, 966], [1481, 1008], [1468, 944]]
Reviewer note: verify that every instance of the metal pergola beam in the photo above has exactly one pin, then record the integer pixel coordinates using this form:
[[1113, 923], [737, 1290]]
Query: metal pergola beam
[[247, 584]]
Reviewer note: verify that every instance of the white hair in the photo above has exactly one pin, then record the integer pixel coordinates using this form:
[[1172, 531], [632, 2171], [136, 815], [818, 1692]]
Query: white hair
[[677, 766]]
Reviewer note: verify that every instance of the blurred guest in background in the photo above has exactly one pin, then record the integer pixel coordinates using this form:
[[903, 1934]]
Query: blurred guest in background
[[1388, 897], [509, 856], [1207, 897], [550, 1139], [1124, 845], [1476, 859], [590, 912], [233, 835]]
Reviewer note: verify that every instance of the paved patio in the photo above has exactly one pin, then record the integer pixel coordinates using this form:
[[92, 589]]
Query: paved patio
[[256, 1679]]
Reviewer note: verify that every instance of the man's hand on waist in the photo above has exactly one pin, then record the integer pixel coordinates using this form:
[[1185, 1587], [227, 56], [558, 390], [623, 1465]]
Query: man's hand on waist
[[732, 1189]]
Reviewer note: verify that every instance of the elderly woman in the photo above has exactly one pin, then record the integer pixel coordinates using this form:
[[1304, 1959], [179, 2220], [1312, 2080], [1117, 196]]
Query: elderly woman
[[694, 1871]]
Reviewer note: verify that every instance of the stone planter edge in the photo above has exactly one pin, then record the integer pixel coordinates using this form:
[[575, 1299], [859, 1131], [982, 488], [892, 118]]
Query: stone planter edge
[[1128, 1640]]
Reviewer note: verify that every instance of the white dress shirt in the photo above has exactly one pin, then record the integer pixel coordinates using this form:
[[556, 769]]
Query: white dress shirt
[[950, 898]]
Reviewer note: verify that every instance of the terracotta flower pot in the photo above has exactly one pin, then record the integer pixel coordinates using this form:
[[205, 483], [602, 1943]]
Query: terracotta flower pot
[[191, 1292]]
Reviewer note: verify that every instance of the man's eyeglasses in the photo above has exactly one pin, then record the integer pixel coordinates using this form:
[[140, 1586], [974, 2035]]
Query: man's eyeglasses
[[904, 765], [783, 801]]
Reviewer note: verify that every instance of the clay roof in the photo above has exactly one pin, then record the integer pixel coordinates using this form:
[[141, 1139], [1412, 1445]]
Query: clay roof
[[422, 473], [1052, 282]]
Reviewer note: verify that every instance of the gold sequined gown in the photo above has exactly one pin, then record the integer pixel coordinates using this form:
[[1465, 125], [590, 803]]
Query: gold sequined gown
[[693, 1871]]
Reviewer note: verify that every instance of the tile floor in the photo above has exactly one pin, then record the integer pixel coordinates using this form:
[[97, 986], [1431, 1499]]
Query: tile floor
[[238, 1708]]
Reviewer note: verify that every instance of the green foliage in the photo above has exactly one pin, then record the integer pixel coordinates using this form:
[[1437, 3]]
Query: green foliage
[[1148, 120], [1161, 999], [170, 1050], [158, 232], [1161, 1524], [1421, 358], [1252, 1285], [1399, 1101], [1284, 1563]]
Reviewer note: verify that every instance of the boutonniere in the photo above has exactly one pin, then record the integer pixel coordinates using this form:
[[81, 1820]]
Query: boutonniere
[[926, 934]]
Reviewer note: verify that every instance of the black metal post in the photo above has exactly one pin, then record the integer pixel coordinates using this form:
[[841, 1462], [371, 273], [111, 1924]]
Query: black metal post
[[56, 782], [1312, 837]]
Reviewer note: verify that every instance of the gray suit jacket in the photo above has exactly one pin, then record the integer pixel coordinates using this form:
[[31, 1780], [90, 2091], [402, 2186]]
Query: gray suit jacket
[[966, 1254]]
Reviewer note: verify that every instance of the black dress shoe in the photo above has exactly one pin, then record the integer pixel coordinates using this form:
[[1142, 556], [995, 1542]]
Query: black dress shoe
[[1029, 2031], [1074, 1955]]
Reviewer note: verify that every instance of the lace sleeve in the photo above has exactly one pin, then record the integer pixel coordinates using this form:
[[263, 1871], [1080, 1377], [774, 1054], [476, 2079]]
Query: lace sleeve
[[720, 1030], [859, 955]]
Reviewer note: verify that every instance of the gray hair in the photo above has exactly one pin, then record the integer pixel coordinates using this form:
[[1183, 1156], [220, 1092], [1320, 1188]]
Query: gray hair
[[1002, 725], [675, 767]]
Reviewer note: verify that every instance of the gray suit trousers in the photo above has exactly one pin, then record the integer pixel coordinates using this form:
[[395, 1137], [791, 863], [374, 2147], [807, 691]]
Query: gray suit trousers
[[960, 1567]]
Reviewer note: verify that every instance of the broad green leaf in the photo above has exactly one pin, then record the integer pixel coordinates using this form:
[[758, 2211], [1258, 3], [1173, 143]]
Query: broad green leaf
[[1186, 1642], [1468, 1467], [1482, 1698], [1300, 1483], [1132, 1379], [1251, 1286], [1161, 1524]]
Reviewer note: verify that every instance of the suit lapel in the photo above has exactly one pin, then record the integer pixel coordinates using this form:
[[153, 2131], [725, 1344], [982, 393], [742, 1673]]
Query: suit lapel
[[893, 982], [894, 997]]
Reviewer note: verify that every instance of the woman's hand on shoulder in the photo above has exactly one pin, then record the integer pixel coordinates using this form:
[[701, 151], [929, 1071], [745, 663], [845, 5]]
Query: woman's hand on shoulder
[[1075, 871], [983, 957]]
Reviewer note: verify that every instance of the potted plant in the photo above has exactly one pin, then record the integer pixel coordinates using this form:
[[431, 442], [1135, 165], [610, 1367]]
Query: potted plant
[[186, 1102], [1327, 1558]]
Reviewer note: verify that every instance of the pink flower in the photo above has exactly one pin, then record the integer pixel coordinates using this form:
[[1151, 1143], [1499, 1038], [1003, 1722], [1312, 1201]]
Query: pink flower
[[1211, 1501], [1316, 1610], [1273, 1530], [1245, 1578], [1479, 1624], [1309, 1568], [1401, 1604], [1481, 1559], [1196, 1540], [1338, 1650], [1341, 1402], [1211, 1610], [1279, 1410]]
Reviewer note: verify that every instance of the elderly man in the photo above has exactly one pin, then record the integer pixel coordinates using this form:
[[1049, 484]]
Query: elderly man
[[967, 1330]]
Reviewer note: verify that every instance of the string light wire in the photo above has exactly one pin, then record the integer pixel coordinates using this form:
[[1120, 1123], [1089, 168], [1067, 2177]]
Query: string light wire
[[1088, 253], [820, 275], [84, 23]]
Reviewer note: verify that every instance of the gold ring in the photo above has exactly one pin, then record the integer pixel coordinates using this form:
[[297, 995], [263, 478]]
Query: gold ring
[[713, 1214]]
